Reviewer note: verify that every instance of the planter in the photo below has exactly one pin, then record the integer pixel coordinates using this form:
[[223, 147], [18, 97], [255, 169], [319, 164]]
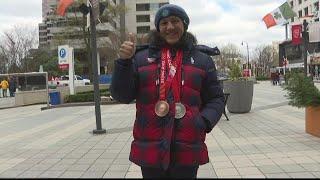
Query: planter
[[313, 120], [241, 94]]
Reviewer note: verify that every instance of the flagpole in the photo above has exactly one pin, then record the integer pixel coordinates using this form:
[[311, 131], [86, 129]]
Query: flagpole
[[305, 44]]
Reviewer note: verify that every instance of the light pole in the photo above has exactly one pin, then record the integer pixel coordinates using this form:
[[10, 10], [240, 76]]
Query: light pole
[[247, 54], [305, 45]]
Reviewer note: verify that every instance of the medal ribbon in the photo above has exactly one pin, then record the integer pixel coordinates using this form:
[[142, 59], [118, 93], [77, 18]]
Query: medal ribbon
[[174, 74]]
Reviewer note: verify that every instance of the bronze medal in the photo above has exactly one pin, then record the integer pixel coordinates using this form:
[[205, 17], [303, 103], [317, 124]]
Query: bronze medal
[[161, 108], [180, 111]]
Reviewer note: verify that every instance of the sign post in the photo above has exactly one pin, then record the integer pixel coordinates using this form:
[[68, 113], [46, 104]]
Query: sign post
[[66, 61]]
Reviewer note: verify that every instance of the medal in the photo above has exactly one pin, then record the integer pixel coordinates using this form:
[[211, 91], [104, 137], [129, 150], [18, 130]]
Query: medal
[[180, 111], [173, 82], [162, 108]]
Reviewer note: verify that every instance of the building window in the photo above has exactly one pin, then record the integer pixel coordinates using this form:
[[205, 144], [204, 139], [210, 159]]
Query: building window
[[143, 29], [291, 4], [300, 1], [162, 4], [292, 19], [142, 7], [143, 18], [306, 12], [154, 6], [300, 13], [114, 1]]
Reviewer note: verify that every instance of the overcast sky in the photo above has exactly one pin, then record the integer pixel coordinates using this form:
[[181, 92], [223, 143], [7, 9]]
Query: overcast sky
[[214, 22]]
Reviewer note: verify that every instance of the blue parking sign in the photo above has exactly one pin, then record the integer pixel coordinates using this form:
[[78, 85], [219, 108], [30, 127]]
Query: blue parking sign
[[62, 53]]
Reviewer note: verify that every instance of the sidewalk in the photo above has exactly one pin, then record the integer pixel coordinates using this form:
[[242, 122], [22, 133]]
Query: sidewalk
[[267, 142]]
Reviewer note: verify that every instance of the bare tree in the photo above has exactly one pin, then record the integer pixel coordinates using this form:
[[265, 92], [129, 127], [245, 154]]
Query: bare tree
[[264, 56], [3, 62], [229, 54], [15, 46]]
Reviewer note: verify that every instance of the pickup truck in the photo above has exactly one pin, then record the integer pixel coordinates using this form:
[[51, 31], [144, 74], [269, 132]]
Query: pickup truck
[[78, 81]]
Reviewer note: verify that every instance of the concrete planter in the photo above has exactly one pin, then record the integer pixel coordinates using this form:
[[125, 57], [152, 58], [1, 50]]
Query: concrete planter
[[241, 94]]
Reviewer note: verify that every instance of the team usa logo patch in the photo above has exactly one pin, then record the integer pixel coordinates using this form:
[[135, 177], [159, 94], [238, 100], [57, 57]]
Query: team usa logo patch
[[151, 60]]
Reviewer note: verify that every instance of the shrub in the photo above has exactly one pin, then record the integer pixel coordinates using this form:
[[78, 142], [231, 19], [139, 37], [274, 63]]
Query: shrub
[[301, 91], [262, 78], [85, 96]]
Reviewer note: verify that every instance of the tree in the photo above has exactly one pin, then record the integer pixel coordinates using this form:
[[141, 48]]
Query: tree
[[229, 54], [264, 57], [76, 29], [15, 46]]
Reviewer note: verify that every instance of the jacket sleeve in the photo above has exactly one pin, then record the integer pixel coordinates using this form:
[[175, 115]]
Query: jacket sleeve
[[124, 81], [212, 97]]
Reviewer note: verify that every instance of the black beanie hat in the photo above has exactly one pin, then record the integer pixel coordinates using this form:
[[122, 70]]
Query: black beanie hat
[[171, 10]]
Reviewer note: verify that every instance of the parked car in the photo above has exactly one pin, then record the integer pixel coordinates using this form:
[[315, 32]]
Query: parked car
[[78, 81]]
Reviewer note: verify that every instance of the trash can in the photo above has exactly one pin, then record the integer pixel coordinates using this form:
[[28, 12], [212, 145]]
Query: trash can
[[54, 97]]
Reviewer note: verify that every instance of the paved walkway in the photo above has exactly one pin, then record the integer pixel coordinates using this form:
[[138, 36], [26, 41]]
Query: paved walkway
[[270, 141]]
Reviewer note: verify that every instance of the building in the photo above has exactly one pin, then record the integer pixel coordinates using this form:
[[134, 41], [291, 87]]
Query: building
[[139, 19], [306, 10], [56, 30]]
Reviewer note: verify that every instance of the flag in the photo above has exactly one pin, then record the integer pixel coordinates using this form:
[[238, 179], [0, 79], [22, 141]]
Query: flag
[[63, 5], [296, 34], [314, 32], [279, 15]]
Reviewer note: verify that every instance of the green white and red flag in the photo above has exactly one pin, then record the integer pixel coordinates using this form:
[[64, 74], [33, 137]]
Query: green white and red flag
[[279, 15]]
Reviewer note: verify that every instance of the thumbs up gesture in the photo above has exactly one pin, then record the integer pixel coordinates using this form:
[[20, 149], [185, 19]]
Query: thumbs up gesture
[[128, 48]]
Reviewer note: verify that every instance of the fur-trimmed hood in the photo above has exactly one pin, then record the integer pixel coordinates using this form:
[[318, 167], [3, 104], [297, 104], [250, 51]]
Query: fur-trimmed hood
[[154, 42]]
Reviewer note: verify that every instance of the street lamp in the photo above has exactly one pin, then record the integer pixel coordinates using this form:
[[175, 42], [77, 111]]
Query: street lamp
[[242, 43], [305, 45]]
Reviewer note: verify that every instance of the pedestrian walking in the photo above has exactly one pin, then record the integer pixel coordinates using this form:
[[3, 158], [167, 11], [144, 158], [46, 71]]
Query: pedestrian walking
[[4, 86], [178, 97], [12, 86], [277, 78]]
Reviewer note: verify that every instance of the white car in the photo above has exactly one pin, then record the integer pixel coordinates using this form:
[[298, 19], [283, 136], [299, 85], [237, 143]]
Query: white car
[[78, 81]]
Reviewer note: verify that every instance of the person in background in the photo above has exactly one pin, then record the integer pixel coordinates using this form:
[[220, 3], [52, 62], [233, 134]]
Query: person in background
[[178, 97], [12, 86], [4, 86]]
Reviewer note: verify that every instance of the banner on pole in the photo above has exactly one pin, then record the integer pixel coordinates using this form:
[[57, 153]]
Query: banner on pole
[[296, 34]]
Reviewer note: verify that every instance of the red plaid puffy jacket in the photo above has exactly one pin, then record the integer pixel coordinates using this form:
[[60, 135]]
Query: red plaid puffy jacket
[[159, 142]]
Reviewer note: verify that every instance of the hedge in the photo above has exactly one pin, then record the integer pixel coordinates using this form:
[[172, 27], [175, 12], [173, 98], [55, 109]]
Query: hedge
[[85, 96]]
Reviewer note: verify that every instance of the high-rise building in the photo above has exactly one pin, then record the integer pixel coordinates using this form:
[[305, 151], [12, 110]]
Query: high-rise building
[[139, 18], [58, 30], [305, 9]]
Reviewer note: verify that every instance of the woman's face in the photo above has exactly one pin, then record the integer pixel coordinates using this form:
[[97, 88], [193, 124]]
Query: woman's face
[[171, 29]]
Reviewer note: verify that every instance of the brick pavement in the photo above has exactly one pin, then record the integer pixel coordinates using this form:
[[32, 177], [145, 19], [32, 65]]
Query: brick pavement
[[268, 142]]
